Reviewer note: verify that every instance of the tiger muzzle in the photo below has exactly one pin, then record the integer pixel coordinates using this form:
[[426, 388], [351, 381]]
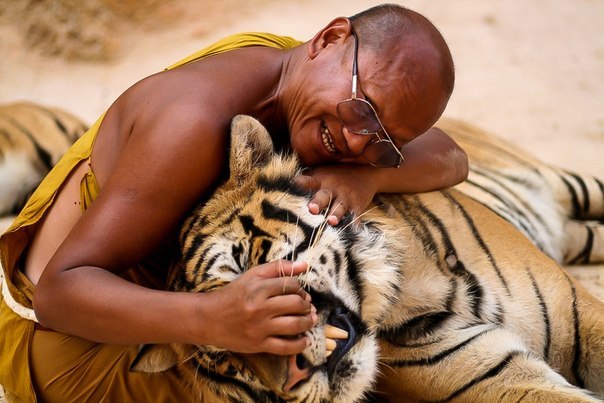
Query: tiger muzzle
[[301, 369]]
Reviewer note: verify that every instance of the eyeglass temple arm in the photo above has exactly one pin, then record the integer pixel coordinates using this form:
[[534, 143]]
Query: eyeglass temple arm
[[355, 70]]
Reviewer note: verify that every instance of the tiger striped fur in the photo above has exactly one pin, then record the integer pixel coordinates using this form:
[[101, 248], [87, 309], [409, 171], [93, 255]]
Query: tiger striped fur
[[443, 299], [560, 211], [32, 139]]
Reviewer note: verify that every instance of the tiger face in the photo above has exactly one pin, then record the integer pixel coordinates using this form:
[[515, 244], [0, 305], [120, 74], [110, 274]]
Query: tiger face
[[218, 244], [434, 290]]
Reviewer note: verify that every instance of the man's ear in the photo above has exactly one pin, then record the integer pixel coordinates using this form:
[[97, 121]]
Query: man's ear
[[335, 32]]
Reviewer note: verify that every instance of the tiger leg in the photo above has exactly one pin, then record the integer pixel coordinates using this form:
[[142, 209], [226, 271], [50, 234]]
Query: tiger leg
[[584, 242], [581, 198], [487, 364]]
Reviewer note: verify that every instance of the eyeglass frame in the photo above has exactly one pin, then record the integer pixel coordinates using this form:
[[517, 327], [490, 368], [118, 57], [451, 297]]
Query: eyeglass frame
[[354, 97]]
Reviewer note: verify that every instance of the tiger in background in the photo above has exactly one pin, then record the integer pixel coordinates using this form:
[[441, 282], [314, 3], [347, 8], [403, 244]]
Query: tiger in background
[[561, 212], [32, 140], [442, 298]]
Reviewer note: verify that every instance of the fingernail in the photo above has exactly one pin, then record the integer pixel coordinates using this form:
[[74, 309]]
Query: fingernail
[[328, 353]]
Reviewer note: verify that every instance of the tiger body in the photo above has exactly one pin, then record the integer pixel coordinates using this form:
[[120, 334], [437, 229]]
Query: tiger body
[[445, 299], [498, 325], [32, 140], [561, 212]]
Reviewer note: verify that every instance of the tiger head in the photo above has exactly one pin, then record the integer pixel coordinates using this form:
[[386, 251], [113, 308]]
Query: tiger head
[[260, 215]]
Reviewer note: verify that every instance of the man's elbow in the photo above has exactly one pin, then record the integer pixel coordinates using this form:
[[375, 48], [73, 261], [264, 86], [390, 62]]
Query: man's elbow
[[39, 306], [463, 166], [459, 167]]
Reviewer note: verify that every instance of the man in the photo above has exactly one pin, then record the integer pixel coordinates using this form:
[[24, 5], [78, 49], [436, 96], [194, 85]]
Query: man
[[93, 244]]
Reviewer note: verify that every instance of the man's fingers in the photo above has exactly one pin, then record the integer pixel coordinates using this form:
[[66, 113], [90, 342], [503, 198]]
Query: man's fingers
[[292, 325], [338, 211], [275, 287], [281, 268], [290, 304], [320, 201], [285, 346], [307, 182]]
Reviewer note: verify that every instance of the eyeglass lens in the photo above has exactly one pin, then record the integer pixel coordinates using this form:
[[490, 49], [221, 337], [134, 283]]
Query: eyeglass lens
[[381, 154], [358, 117]]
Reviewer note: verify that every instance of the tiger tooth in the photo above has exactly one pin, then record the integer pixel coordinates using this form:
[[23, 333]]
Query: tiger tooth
[[330, 344], [335, 332]]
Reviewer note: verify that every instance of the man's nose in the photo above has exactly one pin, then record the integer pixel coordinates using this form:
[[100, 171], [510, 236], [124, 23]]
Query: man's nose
[[356, 142]]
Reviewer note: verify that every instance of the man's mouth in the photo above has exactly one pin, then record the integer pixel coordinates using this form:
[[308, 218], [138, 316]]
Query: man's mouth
[[327, 140]]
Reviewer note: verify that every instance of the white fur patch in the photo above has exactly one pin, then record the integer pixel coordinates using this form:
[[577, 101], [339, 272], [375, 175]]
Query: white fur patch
[[17, 176]]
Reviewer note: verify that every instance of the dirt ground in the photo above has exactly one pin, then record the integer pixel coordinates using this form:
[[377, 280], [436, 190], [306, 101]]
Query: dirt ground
[[532, 72]]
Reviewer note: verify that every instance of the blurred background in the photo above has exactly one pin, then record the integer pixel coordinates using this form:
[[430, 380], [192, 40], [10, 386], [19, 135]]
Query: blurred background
[[529, 71]]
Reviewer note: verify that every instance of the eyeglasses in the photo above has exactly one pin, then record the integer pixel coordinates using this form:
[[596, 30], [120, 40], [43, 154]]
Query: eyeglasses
[[359, 117]]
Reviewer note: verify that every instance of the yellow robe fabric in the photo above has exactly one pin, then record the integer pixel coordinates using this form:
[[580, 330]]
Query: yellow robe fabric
[[16, 333]]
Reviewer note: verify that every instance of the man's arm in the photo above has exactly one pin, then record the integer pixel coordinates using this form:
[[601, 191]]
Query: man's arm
[[174, 152], [432, 161]]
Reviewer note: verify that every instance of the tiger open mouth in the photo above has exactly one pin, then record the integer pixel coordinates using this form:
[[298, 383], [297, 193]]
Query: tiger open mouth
[[337, 316], [342, 319]]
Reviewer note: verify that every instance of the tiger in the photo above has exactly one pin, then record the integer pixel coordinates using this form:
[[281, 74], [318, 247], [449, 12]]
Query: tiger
[[445, 295], [33, 138]]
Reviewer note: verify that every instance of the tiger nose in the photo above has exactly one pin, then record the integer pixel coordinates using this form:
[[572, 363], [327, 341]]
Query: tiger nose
[[298, 370]]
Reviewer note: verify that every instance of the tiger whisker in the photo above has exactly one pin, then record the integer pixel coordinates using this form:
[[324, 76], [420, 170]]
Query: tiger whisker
[[383, 364], [355, 219], [282, 273], [196, 378], [295, 240], [190, 356], [316, 236]]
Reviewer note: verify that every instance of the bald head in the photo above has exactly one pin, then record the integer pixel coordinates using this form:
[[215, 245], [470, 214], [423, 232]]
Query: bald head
[[388, 26]]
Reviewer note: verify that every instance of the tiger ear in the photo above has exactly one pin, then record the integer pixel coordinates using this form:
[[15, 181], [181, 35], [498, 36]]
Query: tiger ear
[[251, 146], [152, 358]]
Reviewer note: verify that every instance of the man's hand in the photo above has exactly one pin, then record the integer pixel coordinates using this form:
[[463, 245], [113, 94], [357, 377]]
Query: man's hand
[[264, 310], [339, 189]]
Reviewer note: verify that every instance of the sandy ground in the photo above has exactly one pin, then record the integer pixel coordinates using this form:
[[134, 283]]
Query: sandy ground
[[532, 72]]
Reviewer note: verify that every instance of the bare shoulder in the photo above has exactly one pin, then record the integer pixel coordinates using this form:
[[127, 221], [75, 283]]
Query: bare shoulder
[[158, 155], [161, 149]]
